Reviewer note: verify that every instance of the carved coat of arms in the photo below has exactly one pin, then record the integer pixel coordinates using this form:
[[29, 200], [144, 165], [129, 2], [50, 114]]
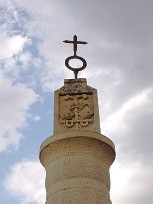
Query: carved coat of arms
[[76, 110]]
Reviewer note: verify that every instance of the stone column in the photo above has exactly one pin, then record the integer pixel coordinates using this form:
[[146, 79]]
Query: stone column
[[77, 157]]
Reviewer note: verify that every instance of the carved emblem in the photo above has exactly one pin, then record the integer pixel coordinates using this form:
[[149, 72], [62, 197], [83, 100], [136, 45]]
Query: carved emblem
[[76, 110]]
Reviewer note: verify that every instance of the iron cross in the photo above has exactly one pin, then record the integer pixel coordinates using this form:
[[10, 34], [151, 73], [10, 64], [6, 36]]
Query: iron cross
[[75, 42]]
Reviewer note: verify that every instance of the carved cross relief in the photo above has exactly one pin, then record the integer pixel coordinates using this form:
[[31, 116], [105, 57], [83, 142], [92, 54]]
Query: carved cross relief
[[76, 110]]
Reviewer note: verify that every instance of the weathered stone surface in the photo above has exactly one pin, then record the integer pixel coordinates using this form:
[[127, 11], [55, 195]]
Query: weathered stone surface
[[77, 157], [77, 167], [76, 107]]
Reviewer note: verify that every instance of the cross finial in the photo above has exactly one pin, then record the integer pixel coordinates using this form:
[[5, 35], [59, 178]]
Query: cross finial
[[75, 42]]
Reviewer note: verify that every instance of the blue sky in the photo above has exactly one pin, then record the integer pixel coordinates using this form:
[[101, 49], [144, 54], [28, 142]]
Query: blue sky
[[119, 56]]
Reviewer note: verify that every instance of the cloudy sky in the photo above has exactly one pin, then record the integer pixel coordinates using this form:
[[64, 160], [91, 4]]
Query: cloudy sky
[[120, 66]]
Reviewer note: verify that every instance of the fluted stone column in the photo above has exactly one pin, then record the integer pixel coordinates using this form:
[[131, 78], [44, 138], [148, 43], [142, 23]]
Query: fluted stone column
[[77, 157]]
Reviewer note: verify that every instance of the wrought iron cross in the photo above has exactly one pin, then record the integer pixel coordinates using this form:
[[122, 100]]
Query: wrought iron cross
[[75, 42]]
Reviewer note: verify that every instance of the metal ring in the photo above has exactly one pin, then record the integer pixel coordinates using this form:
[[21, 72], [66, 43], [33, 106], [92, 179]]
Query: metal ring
[[75, 57]]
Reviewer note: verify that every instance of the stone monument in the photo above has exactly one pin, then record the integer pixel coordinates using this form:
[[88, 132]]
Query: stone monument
[[77, 157]]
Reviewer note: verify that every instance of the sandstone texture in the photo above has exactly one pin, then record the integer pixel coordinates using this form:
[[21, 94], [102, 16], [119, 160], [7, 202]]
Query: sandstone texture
[[77, 157]]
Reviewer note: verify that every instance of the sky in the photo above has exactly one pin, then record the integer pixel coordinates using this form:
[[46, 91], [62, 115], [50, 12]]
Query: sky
[[120, 66]]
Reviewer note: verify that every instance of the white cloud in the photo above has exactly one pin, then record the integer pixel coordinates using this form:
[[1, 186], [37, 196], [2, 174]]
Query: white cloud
[[16, 43], [117, 121], [130, 183], [119, 181], [36, 117], [25, 58], [15, 104], [11, 45], [26, 181]]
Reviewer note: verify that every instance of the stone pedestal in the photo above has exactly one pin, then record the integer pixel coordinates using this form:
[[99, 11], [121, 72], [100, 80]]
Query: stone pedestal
[[77, 157]]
